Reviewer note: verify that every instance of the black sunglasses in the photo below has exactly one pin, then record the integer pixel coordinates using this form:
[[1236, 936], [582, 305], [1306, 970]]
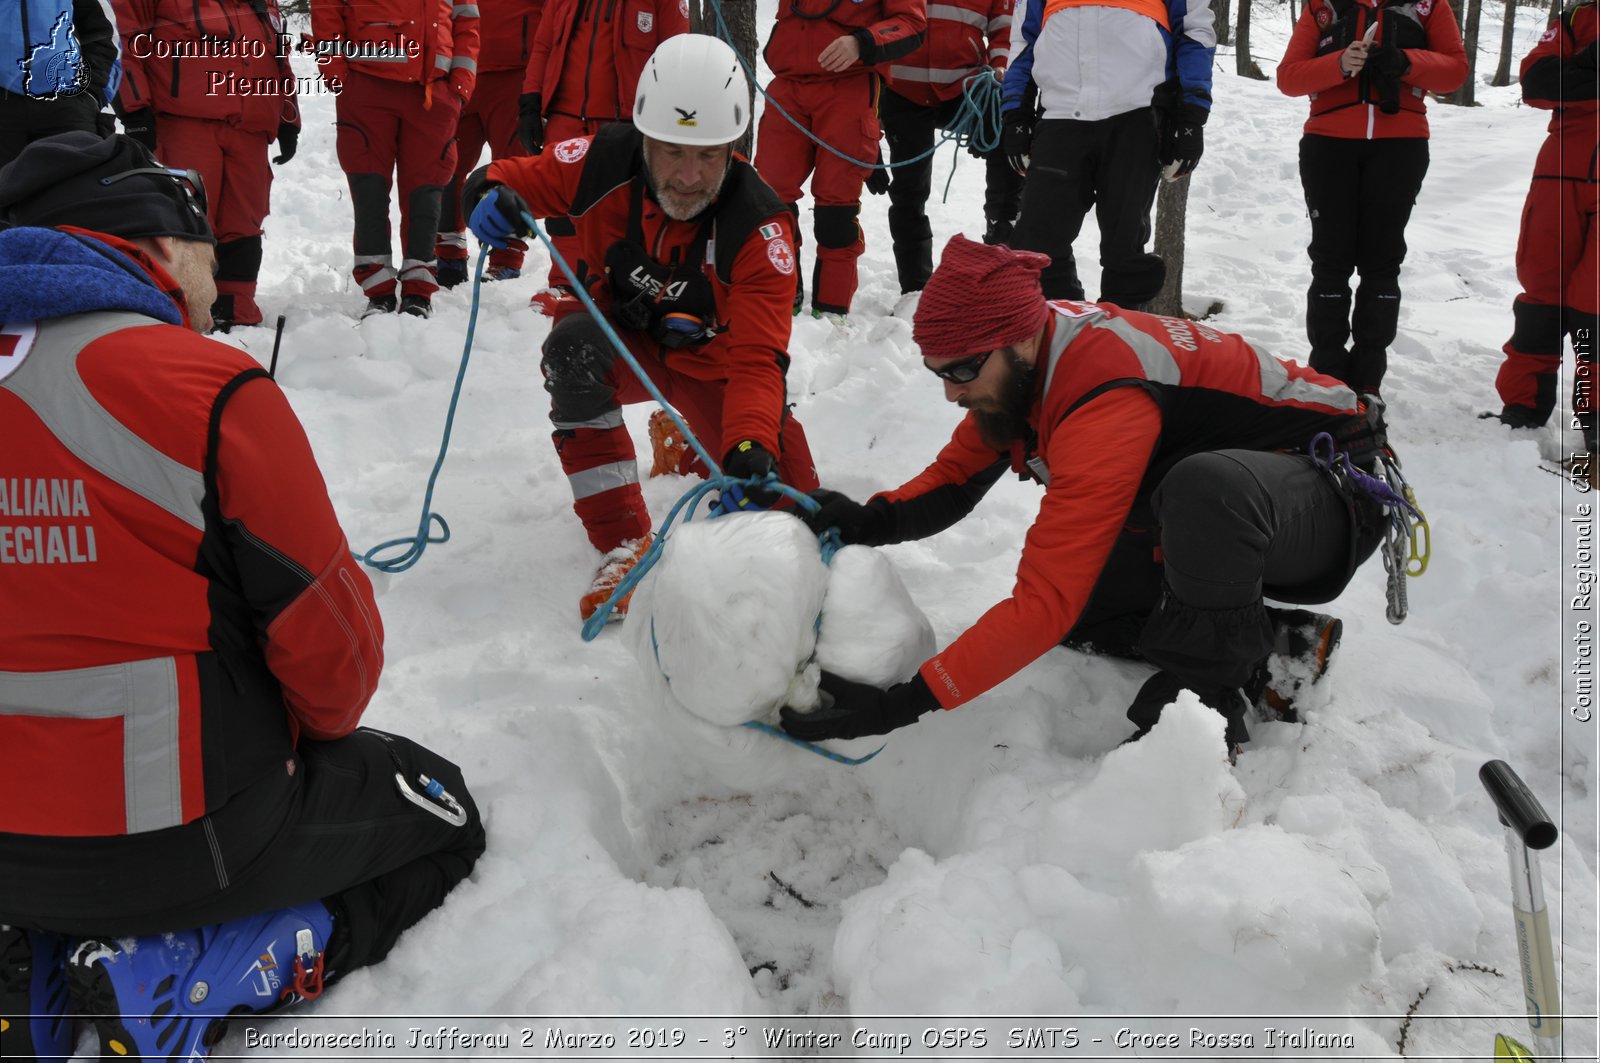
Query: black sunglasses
[[194, 189], [963, 372]]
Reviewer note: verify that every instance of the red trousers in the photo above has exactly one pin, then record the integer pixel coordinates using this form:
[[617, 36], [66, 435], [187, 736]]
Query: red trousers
[[589, 383], [843, 113], [388, 128], [1558, 264], [489, 120]]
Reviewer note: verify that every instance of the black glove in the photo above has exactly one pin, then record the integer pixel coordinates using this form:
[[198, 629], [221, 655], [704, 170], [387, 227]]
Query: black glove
[[530, 122], [1386, 65], [857, 523], [1182, 140], [141, 126], [747, 461], [1016, 137], [105, 123], [878, 177], [288, 142], [854, 710]]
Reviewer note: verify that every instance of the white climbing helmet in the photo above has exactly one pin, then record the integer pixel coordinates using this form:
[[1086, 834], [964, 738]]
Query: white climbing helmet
[[692, 91]]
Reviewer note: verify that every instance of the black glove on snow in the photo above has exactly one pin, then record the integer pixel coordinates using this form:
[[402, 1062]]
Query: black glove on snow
[[141, 126], [748, 461], [854, 710], [1016, 137], [857, 523], [288, 142], [530, 122], [1182, 140], [1386, 65]]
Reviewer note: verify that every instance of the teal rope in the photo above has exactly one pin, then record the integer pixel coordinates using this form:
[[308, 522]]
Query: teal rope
[[411, 547], [977, 121]]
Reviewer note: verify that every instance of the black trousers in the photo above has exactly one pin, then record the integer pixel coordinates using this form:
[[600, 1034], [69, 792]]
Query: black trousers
[[1359, 194], [1233, 526], [1111, 165], [24, 119], [333, 826], [909, 128]]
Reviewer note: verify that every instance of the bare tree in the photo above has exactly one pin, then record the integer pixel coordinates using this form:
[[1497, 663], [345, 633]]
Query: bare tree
[[1508, 30], [1224, 27], [740, 16], [1172, 211], [1244, 66], [1466, 95]]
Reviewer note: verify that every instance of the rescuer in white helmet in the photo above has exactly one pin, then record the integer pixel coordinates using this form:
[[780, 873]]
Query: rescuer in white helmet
[[690, 255]]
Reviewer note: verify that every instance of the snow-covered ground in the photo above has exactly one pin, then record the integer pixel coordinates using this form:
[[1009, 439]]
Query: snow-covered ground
[[1347, 876]]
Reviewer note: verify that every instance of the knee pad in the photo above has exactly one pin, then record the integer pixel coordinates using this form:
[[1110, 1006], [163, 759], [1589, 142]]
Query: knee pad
[[239, 260], [836, 226], [1537, 328], [576, 360]]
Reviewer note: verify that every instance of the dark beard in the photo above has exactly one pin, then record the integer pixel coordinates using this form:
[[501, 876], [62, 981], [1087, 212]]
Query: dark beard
[[999, 428]]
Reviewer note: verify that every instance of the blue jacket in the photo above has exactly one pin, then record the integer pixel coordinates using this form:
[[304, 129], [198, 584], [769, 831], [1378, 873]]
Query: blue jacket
[[52, 48], [1189, 44]]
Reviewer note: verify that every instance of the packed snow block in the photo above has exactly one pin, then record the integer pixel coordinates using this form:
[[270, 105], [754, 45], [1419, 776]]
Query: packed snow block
[[872, 632], [725, 621], [1295, 932]]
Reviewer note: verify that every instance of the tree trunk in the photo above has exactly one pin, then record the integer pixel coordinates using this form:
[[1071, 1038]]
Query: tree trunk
[[740, 16], [1466, 95], [1223, 26], [1172, 209], [1244, 66], [1502, 73]]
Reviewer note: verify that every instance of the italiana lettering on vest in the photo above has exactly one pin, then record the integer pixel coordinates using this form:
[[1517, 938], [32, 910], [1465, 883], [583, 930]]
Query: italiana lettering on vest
[[45, 544]]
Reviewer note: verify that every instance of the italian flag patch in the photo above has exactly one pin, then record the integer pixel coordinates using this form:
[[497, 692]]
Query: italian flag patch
[[770, 232]]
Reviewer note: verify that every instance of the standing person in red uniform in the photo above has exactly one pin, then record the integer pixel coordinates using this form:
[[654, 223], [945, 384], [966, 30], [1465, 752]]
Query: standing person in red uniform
[[405, 69], [1558, 254], [582, 74], [1367, 66], [924, 93], [699, 279], [186, 648], [210, 110], [827, 59], [1177, 491], [489, 119]]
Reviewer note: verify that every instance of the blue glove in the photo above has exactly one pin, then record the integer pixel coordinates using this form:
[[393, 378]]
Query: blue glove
[[747, 461], [498, 217]]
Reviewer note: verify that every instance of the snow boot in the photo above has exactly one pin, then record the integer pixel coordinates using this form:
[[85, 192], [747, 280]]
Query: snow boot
[[222, 314], [417, 305], [555, 302], [613, 568], [35, 1022], [667, 445], [168, 996], [451, 272], [380, 304], [501, 273], [1302, 650]]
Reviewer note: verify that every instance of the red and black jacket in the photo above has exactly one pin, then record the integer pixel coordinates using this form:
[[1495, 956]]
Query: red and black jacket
[[749, 260], [1560, 73], [886, 30], [1121, 397], [177, 601]]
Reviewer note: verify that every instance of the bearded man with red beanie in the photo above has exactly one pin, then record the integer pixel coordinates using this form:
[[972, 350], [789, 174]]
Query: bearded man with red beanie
[[1178, 492], [187, 648]]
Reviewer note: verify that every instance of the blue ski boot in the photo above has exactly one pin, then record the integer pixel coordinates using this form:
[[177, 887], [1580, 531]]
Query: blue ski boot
[[168, 996], [34, 1020]]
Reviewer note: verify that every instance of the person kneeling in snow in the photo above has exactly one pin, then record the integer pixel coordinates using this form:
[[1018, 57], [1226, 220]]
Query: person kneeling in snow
[[691, 256], [1178, 491], [190, 822]]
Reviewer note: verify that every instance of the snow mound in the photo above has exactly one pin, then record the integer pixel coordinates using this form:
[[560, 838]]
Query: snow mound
[[872, 632]]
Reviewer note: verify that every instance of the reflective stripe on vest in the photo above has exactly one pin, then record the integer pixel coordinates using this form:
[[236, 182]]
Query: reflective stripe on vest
[[144, 696], [49, 384], [1156, 9]]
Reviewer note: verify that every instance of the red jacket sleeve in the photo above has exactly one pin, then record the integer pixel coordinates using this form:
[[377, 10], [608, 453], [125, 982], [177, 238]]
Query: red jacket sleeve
[[755, 347], [465, 43], [291, 97], [1097, 458], [961, 459], [897, 34], [1442, 65], [999, 33], [539, 49], [135, 19], [1302, 71], [548, 184], [313, 605], [672, 18]]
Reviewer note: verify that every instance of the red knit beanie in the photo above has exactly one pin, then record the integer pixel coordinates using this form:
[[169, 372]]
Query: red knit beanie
[[982, 297]]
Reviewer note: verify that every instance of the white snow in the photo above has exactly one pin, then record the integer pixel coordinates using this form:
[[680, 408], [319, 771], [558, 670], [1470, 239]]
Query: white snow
[[1347, 876]]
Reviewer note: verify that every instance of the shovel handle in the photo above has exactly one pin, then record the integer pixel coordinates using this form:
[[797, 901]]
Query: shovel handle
[[1518, 808]]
